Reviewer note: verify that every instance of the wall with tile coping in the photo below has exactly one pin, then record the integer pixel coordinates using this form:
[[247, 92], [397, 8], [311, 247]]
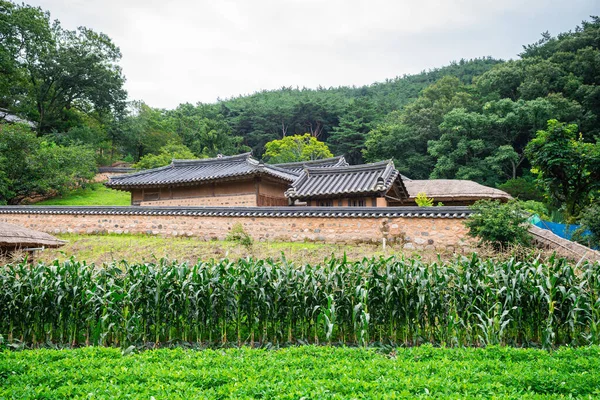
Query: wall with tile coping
[[411, 232]]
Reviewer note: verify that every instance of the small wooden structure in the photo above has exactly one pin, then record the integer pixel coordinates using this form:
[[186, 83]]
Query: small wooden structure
[[18, 238]]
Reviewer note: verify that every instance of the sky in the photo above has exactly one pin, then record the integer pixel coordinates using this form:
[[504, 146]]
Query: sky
[[201, 51]]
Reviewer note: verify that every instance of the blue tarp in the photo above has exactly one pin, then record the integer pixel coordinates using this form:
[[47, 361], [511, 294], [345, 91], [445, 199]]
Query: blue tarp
[[563, 230]]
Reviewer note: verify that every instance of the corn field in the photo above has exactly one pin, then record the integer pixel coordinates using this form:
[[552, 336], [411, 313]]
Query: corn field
[[466, 302]]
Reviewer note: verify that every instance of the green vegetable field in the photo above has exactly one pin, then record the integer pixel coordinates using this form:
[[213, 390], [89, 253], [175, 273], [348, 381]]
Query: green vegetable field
[[391, 301], [308, 372]]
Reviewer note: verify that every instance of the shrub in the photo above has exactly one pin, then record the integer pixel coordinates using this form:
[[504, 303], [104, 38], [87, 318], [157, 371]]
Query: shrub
[[423, 201], [536, 207], [523, 188], [35, 166], [499, 224], [590, 221], [239, 235], [169, 152]]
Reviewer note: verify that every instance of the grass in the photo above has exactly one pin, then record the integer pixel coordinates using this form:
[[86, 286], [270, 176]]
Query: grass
[[136, 248], [95, 194], [139, 248], [301, 372]]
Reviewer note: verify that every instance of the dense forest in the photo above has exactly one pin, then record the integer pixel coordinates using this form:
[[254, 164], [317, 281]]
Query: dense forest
[[472, 119]]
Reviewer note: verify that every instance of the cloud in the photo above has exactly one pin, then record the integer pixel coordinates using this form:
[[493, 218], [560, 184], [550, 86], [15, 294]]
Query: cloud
[[189, 51]]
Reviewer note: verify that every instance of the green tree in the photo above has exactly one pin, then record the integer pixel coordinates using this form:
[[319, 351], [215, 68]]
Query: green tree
[[296, 148], [34, 166], [404, 135], [52, 71], [487, 145], [348, 138], [590, 221], [204, 130], [171, 151], [145, 130], [523, 188], [467, 149], [567, 166]]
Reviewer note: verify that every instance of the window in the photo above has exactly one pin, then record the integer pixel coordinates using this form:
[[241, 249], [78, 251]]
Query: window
[[151, 196], [325, 203], [357, 202]]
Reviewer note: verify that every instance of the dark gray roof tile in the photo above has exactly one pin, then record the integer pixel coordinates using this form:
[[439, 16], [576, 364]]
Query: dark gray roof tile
[[298, 167], [333, 212], [192, 171], [365, 179]]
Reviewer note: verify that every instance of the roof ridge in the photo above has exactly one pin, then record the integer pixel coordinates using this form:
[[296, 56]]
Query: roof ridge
[[345, 168], [237, 157], [279, 169], [302, 163]]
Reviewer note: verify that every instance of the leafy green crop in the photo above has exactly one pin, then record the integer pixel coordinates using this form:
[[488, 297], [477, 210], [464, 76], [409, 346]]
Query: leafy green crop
[[467, 302], [302, 372]]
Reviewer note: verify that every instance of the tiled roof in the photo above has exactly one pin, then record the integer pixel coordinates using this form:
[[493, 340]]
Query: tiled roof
[[298, 167], [362, 180], [453, 189], [281, 212], [182, 172]]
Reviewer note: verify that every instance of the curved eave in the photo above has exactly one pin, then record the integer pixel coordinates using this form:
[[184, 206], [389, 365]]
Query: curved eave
[[198, 181], [349, 194]]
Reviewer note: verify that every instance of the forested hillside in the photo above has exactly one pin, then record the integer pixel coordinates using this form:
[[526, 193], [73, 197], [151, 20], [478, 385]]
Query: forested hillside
[[471, 119]]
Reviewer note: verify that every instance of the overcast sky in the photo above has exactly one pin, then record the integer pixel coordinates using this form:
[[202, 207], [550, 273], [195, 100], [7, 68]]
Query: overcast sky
[[189, 51]]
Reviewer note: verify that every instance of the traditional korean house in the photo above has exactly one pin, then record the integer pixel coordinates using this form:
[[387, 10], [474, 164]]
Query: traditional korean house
[[223, 181], [367, 185], [242, 181]]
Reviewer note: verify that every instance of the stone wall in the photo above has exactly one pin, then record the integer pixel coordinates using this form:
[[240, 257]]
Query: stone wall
[[413, 232], [544, 238]]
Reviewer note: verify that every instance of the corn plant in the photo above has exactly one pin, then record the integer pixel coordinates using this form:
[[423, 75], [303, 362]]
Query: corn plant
[[403, 301]]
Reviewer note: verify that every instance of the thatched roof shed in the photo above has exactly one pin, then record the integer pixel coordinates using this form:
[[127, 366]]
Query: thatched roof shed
[[453, 191], [18, 237]]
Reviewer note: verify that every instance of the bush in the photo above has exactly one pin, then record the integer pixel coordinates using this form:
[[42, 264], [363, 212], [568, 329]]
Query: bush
[[34, 166], [169, 152], [536, 207], [239, 235], [423, 201], [590, 221], [523, 188], [499, 224]]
